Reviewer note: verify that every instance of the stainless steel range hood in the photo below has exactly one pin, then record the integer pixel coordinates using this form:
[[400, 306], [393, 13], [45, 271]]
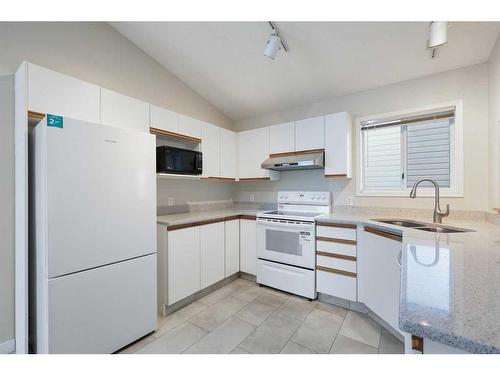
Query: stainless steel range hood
[[299, 161]]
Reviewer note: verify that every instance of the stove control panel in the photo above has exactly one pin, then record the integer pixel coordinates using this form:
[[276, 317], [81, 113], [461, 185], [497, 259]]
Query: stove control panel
[[320, 198]]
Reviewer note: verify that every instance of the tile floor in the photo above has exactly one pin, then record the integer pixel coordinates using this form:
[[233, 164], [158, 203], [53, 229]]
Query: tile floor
[[243, 318]]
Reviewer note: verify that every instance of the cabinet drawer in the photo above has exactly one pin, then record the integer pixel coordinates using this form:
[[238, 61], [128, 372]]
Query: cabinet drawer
[[336, 248], [337, 231], [336, 285], [336, 263]]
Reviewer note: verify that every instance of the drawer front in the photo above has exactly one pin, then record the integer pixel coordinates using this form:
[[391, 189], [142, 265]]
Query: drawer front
[[336, 232], [290, 279], [336, 285], [336, 263], [336, 248]]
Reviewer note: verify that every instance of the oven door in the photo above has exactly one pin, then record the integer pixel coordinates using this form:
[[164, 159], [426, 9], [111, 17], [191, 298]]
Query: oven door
[[286, 242]]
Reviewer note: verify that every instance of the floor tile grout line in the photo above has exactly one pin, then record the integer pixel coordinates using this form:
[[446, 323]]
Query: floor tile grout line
[[338, 332]]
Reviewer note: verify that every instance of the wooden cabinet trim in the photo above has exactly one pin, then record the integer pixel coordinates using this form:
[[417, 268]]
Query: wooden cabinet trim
[[382, 233], [218, 178], [291, 153], [336, 240], [254, 178], [167, 133], [336, 271], [337, 225], [247, 217], [36, 115], [335, 255], [417, 343], [194, 224], [211, 221], [339, 175]]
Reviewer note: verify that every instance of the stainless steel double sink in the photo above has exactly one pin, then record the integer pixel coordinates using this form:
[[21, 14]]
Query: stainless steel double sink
[[427, 227]]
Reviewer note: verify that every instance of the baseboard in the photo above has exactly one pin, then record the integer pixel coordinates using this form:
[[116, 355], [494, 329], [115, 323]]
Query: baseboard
[[8, 347]]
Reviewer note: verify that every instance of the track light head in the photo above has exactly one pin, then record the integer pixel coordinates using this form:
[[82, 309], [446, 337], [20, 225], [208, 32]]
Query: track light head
[[438, 34], [273, 46]]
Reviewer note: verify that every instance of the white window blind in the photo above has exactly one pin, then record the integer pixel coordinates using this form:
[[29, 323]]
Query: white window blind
[[428, 149], [382, 159], [398, 152]]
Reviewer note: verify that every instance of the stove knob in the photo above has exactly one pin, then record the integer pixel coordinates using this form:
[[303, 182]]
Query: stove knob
[[323, 197]]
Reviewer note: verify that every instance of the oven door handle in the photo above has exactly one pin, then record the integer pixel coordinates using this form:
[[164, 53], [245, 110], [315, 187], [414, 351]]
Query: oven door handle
[[286, 225]]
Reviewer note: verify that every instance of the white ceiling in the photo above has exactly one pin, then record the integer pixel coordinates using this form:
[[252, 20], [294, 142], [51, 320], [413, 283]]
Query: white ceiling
[[224, 61]]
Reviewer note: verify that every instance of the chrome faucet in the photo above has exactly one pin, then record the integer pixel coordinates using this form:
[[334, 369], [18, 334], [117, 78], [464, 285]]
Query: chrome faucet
[[438, 214]]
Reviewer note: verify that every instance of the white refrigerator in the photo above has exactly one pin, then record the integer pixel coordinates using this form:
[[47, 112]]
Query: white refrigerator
[[92, 237]]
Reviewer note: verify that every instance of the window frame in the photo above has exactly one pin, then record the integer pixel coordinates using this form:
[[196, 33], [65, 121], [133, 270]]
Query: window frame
[[456, 153]]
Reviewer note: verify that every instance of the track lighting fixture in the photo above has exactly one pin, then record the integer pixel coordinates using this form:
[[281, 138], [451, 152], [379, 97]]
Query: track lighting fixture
[[274, 43], [438, 35]]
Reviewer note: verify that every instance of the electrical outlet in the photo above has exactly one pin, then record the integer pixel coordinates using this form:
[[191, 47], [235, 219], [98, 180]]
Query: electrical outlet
[[350, 200], [170, 201], [252, 197]]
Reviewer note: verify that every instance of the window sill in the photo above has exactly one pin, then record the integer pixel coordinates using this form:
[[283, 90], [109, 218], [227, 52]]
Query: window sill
[[420, 194]]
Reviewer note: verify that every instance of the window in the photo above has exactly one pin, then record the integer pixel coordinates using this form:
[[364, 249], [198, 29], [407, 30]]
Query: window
[[396, 151]]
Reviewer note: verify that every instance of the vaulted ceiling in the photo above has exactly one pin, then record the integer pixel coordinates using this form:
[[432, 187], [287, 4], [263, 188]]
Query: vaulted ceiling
[[224, 61]]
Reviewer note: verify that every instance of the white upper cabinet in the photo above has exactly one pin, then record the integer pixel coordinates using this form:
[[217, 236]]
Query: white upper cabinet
[[189, 126], [310, 134], [282, 138], [210, 147], [164, 119], [62, 95], [253, 149], [338, 145], [123, 111], [228, 154]]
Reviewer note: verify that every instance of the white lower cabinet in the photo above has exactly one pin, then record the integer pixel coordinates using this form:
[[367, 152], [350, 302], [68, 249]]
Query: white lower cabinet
[[248, 246], [212, 253], [232, 247], [379, 273], [183, 263]]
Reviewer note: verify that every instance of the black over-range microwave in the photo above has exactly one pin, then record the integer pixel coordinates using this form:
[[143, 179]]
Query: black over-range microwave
[[178, 160]]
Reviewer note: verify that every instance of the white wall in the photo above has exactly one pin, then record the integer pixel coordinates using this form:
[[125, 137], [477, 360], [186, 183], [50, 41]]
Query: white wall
[[6, 208], [469, 84], [95, 52], [186, 191], [494, 126]]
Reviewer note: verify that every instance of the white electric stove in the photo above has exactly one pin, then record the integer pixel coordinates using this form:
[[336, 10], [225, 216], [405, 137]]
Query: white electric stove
[[286, 241]]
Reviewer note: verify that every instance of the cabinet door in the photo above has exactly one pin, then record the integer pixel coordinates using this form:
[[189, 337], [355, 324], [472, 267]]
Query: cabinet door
[[189, 126], [228, 154], [210, 146], [310, 134], [379, 273], [212, 253], [338, 140], [164, 119], [253, 150], [59, 94], [232, 247], [123, 111], [183, 263], [282, 138], [248, 246]]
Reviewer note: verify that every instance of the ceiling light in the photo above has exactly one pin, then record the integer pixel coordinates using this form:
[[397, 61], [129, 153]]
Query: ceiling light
[[438, 34], [274, 43], [273, 46]]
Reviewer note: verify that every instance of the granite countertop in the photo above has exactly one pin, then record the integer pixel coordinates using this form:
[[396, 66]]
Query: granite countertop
[[199, 216], [450, 283]]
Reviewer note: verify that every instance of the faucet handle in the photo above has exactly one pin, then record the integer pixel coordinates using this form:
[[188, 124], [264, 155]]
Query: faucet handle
[[447, 212]]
